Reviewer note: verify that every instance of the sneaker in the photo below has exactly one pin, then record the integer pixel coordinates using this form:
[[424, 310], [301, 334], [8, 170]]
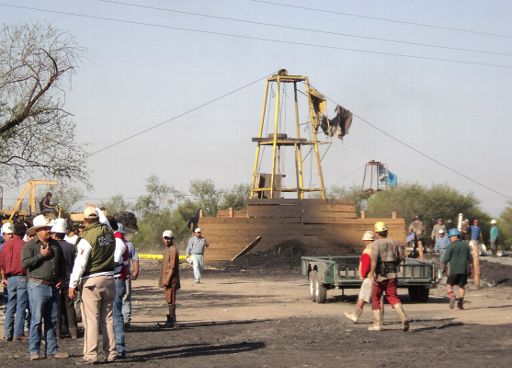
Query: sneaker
[[21, 338], [121, 356], [351, 316], [460, 304], [59, 355], [452, 302]]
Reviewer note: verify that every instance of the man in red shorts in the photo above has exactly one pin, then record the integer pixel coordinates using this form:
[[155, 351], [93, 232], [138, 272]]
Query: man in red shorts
[[386, 256]]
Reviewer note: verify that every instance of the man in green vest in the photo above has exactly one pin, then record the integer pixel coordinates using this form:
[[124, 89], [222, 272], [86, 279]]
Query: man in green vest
[[94, 270]]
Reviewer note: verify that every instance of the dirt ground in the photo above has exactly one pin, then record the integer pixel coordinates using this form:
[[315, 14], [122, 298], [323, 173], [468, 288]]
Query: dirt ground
[[256, 317]]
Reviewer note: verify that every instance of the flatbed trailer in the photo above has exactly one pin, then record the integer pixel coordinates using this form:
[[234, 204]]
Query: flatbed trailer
[[342, 272]]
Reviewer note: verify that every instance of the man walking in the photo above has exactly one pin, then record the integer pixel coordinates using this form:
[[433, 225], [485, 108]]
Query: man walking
[[94, 266], [458, 255], [170, 276], [14, 278], [44, 262], [66, 305], [195, 248], [493, 237], [386, 256]]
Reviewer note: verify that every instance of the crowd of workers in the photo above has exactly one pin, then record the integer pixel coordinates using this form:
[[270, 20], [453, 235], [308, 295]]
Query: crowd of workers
[[381, 256]]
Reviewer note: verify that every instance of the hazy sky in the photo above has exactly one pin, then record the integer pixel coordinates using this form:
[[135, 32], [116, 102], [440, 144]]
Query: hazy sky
[[135, 76]]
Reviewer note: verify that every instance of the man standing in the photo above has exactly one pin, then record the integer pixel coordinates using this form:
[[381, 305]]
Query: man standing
[[441, 243], [464, 230], [195, 248], [14, 278], [170, 276], [386, 257], [435, 230], [418, 229], [493, 237], [476, 236], [132, 274], [94, 266], [66, 305], [46, 207], [44, 262], [458, 255], [120, 276]]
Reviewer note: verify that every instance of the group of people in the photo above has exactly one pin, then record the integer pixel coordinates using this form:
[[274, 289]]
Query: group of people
[[439, 238], [378, 268], [46, 268]]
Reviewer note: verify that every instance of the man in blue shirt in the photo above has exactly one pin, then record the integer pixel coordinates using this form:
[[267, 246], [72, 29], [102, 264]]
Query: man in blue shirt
[[493, 237], [195, 248], [442, 242]]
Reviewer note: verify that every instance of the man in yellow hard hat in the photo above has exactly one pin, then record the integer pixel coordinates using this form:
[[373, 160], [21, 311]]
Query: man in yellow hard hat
[[386, 256]]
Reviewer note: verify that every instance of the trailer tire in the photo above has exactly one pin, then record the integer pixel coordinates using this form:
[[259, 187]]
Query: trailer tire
[[419, 293], [321, 291], [313, 276]]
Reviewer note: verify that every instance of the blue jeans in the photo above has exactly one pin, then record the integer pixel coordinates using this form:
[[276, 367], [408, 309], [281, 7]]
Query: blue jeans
[[198, 265], [43, 302], [16, 305], [127, 302], [118, 316]]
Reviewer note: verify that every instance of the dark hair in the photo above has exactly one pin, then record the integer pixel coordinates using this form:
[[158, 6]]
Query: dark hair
[[59, 236], [113, 223], [19, 229]]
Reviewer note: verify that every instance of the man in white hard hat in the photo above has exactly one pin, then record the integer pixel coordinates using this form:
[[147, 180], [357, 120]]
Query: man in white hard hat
[[386, 257], [442, 242], [66, 305], [365, 291], [195, 248], [170, 276], [493, 237]]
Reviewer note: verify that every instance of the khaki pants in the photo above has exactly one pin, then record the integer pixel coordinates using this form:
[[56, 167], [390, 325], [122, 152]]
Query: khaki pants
[[98, 295]]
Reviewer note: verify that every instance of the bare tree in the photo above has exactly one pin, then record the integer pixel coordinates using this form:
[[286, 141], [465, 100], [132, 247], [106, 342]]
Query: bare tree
[[37, 135]]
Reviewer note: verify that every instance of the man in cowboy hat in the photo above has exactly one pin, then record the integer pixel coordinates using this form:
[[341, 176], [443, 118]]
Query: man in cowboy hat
[[44, 262]]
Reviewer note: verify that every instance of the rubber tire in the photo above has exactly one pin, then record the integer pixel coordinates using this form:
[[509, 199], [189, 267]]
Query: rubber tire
[[419, 294], [313, 276], [321, 291]]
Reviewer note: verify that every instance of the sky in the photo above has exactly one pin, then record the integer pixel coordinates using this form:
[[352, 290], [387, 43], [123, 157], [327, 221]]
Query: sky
[[141, 68]]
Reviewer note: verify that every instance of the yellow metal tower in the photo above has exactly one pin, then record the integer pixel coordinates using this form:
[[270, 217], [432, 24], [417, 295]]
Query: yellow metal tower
[[270, 185]]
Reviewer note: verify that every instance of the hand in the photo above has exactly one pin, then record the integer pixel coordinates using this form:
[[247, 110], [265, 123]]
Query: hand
[[71, 293], [46, 251], [165, 285], [134, 275], [4, 283], [58, 285]]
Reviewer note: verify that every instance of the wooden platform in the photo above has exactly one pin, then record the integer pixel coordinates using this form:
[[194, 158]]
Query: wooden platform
[[324, 228]]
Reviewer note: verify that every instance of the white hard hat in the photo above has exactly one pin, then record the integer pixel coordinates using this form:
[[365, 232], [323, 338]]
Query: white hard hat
[[167, 234], [441, 231], [7, 228], [493, 222], [368, 235], [59, 226], [39, 222], [197, 230]]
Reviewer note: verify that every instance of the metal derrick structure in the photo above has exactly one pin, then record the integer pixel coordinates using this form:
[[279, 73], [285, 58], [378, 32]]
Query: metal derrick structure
[[269, 185]]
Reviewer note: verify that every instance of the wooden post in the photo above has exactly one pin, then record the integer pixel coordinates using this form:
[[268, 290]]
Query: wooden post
[[476, 264], [393, 215], [363, 215]]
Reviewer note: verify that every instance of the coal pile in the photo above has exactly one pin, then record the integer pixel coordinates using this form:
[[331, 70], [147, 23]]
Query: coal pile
[[495, 274]]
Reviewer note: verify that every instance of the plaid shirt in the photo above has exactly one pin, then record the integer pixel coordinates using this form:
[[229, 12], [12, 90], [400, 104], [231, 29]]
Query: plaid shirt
[[11, 257]]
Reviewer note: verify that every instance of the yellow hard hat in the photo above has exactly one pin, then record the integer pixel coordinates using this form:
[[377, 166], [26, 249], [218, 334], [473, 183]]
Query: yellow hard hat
[[380, 227]]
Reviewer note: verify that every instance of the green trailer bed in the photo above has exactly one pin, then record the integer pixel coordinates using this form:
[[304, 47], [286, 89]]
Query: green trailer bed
[[342, 272]]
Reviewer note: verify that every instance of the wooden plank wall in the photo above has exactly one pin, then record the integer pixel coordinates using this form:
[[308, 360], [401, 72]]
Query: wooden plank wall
[[321, 227]]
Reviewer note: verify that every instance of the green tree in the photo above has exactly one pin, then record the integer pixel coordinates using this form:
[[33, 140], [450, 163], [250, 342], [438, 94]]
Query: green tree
[[505, 227], [37, 134], [206, 195], [68, 196], [236, 197], [430, 203], [116, 204]]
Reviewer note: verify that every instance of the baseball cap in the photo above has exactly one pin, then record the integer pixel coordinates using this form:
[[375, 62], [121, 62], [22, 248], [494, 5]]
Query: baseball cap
[[7, 228], [167, 234], [90, 212]]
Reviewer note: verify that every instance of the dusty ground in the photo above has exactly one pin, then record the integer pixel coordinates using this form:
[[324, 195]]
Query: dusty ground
[[252, 317]]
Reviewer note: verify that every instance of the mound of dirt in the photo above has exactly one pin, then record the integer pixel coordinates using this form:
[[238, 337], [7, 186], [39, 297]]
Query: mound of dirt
[[495, 274]]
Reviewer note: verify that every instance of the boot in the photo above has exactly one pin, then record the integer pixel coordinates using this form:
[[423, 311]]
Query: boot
[[460, 303], [377, 322], [401, 313], [168, 324], [172, 314], [354, 316]]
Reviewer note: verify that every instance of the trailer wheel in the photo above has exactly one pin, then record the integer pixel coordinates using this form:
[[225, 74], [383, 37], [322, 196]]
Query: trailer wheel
[[313, 276], [321, 291], [419, 293]]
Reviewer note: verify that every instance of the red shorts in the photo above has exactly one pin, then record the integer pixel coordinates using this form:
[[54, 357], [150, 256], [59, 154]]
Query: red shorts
[[389, 286]]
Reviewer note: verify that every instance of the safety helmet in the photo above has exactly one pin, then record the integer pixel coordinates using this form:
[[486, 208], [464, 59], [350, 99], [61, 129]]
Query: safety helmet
[[493, 222], [380, 227], [368, 235], [453, 232]]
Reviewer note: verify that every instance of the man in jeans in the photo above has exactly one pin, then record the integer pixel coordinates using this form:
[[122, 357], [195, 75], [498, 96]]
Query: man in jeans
[[14, 278], [44, 262], [120, 276], [195, 248]]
